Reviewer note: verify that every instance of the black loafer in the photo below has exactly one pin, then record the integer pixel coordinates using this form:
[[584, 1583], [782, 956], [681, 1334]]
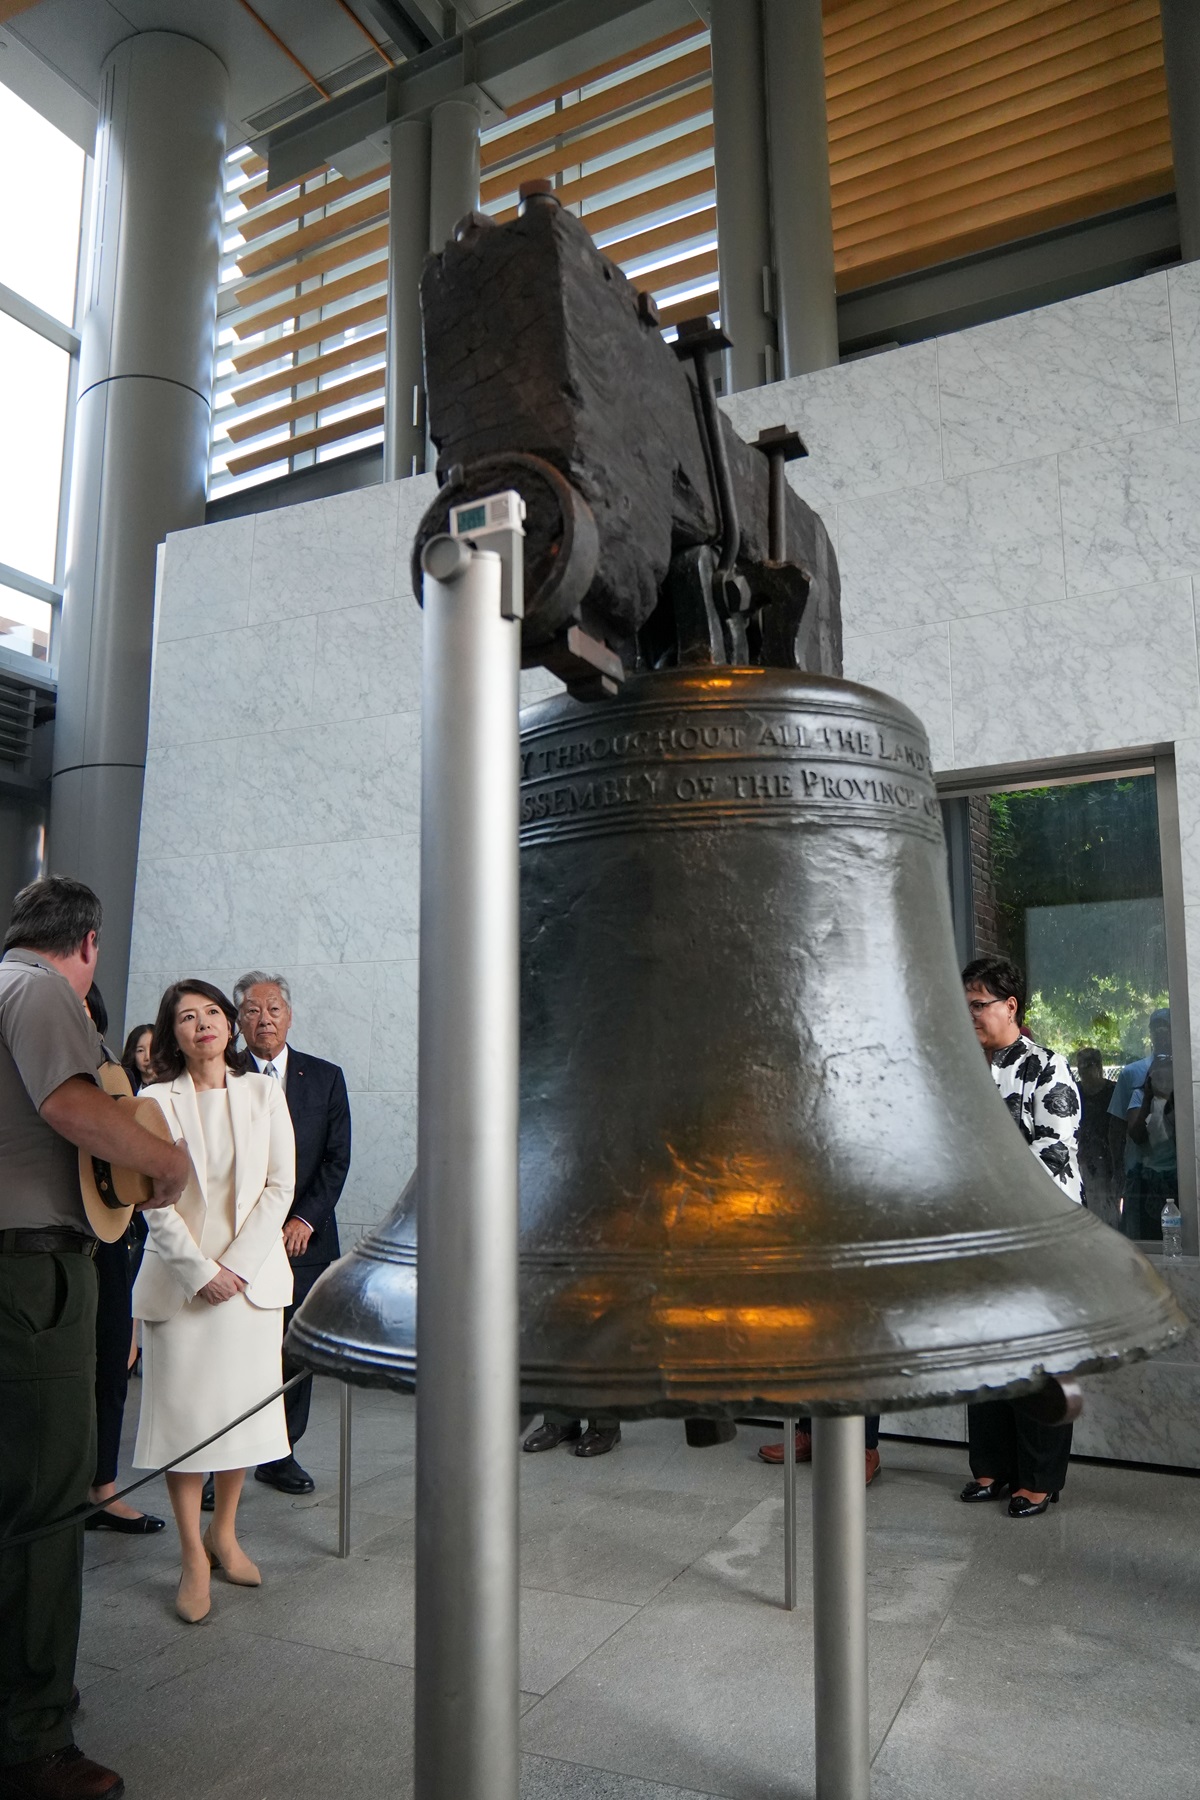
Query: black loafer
[[549, 1437], [286, 1475], [144, 1526], [598, 1443], [208, 1495], [984, 1490], [1021, 1508]]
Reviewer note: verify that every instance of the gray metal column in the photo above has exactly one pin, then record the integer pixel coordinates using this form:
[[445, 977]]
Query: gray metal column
[[453, 167], [1181, 53], [466, 1701], [839, 1493], [743, 219], [801, 207], [141, 446], [408, 246]]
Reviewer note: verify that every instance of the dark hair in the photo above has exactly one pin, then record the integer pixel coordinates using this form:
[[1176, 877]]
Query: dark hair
[[1001, 978], [165, 1053], [1088, 1053], [54, 914], [129, 1056], [97, 1011]]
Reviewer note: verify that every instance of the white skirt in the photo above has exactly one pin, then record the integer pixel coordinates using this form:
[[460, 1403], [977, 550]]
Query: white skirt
[[203, 1368]]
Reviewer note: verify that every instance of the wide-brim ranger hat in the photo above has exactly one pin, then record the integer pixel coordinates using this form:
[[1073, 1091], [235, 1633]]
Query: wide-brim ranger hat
[[110, 1193]]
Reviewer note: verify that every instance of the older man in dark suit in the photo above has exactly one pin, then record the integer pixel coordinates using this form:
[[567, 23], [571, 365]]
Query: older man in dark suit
[[320, 1109]]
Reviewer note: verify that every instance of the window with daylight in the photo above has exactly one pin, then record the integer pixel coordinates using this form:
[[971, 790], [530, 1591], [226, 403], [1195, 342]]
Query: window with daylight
[[39, 261], [301, 317], [1066, 880]]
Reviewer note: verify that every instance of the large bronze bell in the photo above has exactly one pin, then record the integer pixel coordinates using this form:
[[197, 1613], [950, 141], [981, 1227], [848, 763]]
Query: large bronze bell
[[763, 1162]]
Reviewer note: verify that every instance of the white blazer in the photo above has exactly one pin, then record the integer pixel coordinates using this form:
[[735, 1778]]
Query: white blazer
[[174, 1268]]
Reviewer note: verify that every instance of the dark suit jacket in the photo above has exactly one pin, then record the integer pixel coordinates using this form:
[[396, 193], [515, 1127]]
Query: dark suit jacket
[[320, 1109]]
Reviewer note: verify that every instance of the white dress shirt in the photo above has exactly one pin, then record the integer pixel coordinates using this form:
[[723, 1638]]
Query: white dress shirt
[[280, 1062]]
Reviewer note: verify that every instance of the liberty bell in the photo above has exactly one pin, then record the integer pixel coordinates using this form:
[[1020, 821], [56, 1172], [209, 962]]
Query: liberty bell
[[762, 1161]]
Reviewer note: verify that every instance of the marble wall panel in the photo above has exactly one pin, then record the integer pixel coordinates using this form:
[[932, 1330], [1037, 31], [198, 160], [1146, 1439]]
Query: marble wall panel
[[211, 910], [325, 554], [384, 1156], [871, 426], [332, 1014], [393, 1062], [1078, 372], [1149, 1412], [913, 666], [368, 661], [1187, 775], [1183, 289], [986, 543], [412, 500], [356, 899], [256, 679], [1115, 670], [209, 589], [1131, 509]]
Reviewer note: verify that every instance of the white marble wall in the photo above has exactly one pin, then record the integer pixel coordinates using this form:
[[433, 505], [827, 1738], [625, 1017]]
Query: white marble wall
[[1016, 510]]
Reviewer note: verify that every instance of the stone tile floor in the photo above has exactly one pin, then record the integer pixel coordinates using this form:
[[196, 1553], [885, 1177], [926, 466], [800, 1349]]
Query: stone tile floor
[[1055, 1659]]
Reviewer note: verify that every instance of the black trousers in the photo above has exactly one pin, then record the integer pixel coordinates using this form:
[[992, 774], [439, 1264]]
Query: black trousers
[[47, 1456], [601, 1421], [114, 1328], [297, 1400], [1005, 1442]]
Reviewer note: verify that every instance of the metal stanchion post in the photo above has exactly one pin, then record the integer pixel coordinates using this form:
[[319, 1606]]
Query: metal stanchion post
[[466, 1701], [789, 1514], [344, 1474], [840, 1609]]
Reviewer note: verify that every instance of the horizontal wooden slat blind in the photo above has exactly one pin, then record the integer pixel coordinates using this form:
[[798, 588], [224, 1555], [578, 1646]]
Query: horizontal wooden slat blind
[[956, 125], [631, 151], [300, 339]]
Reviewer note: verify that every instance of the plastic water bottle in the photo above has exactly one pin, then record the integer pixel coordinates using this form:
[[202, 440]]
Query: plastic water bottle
[[1172, 1230]]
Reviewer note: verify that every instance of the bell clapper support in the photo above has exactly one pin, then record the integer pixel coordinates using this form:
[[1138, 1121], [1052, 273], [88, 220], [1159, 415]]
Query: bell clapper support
[[789, 1514], [466, 1700], [839, 1547]]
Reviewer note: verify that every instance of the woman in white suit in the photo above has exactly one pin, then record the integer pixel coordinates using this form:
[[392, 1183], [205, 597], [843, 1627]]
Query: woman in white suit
[[214, 1280]]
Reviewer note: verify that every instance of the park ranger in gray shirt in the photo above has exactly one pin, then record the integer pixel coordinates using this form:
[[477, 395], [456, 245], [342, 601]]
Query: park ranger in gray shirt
[[50, 1105]]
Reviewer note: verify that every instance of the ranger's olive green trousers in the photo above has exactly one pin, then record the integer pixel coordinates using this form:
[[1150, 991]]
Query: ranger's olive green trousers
[[47, 1458]]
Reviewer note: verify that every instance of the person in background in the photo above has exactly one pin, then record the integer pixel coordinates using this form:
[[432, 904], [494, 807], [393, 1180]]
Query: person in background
[[135, 1057], [214, 1282], [1095, 1154], [114, 1334], [1126, 1151], [773, 1453], [1154, 1178], [51, 1107], [1011, 1452], [602, 1434], [315, 1091]]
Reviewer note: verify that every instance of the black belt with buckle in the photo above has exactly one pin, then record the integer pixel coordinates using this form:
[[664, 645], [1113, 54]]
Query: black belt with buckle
[[48, 1242]]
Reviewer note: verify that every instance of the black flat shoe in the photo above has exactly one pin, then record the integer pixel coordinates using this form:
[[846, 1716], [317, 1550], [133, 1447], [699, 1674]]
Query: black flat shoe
[[1021, 1508], [145, 1526], [598, 1443], [984, 1490], [549, 1437], [286, 1475]]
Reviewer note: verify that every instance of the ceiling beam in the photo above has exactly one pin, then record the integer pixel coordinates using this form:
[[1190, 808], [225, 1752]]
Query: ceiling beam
[[505, 56]]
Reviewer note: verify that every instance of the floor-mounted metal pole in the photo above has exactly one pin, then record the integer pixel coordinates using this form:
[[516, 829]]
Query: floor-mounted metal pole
[[840, 1609], [344, 1452], [466, 1701], [789, 1514]]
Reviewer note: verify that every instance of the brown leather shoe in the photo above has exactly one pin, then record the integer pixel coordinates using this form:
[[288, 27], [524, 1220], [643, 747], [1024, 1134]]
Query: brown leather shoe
[[872, 1465], [63, 1775], [773, 1453]]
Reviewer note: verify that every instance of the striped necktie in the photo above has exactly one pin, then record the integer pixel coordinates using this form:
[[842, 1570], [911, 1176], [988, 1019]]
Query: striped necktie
[[272, 1071]]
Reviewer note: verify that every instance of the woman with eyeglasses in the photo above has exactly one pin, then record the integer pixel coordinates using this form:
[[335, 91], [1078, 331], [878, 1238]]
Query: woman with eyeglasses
[[1011, 1452]]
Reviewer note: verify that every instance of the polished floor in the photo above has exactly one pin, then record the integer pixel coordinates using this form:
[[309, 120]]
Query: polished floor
[[1051, 1659]]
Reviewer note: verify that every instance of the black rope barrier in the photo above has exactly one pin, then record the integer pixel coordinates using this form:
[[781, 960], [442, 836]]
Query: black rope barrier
[[85, 1512]]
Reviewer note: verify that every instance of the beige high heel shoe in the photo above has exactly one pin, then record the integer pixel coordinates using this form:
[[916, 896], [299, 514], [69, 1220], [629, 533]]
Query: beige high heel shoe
[[193, 1602], [239, 1569]]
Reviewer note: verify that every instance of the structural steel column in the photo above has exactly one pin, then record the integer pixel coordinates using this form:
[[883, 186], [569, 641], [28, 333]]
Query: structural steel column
[[1181, 52], [743, 219], [801, 208], [141, 446], [408, 246], [454, 167]]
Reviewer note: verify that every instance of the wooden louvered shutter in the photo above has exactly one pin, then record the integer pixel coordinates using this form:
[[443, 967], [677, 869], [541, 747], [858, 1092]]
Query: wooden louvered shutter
[[957, 125]]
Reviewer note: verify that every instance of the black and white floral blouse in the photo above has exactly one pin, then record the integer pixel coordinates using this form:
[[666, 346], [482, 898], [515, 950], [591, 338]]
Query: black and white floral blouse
[[1039, 1091]]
